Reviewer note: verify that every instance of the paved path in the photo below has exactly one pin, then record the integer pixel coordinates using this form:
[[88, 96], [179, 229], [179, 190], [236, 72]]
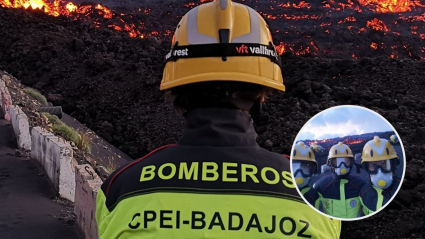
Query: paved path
[[27, 208]]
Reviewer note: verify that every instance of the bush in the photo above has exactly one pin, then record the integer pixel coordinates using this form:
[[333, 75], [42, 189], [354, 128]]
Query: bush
[[81, 139], [65, 131], [37, 95], [53, 118]]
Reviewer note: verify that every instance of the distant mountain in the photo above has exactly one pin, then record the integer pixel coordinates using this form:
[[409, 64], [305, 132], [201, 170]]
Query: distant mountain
[[355, 142]]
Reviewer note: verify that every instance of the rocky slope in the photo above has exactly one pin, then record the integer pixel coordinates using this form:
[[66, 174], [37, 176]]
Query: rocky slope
[[111, 83]]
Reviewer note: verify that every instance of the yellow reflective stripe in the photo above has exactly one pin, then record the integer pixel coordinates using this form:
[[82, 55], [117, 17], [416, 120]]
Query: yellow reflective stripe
[[365, 210], [340, 206], [304, 190], [322, 199], [187, 215], [342, 189], [380, 198]]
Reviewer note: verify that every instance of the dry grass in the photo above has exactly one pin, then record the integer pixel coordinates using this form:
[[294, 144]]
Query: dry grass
[[84, 141], [112, 166]]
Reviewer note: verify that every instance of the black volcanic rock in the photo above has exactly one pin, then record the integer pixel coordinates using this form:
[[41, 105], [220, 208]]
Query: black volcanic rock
[[104, 75], [78, 44], [420, 134]]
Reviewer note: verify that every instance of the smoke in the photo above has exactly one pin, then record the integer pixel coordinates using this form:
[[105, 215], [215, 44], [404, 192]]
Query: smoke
[[343, 121]]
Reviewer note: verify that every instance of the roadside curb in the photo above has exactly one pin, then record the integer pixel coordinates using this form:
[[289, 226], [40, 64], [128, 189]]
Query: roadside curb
[[20, 125], [56, 156], [76, 183], [5, 100], [87, 185]]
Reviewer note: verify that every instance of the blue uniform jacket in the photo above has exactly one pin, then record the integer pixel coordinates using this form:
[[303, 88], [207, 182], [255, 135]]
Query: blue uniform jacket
[[338, 203], [369, 195]]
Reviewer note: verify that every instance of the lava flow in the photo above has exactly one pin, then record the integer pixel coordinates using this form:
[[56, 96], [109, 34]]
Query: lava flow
[[344, 28], [353, 141], [94, 13], [327, 143]]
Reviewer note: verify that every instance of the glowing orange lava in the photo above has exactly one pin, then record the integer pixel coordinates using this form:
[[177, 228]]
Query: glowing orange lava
[[280, 48], [377, 24], [385, 6], [99, 16], [353, 141], [56, 8]]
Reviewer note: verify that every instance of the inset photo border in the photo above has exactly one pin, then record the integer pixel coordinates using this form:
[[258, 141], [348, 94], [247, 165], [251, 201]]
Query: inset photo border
[[348, 162]]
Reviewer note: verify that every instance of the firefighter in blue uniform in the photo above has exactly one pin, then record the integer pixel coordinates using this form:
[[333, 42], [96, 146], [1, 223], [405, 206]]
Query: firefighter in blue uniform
[[394, 139], [379, 159], [304, 166], [339, 191]]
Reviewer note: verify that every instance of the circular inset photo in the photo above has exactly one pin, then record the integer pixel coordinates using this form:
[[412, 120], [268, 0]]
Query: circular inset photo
[[348, 162]]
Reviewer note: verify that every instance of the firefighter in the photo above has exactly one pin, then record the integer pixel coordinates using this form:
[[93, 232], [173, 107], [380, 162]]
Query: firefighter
[[216, 182], [394, 139], [317, 148], [379, 160], [339, 191], [304, 166]]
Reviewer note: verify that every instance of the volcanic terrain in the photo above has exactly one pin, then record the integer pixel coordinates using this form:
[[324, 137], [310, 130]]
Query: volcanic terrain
[[104, 67]]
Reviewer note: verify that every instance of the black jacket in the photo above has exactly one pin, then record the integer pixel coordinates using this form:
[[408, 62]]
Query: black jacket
[[216, 183]]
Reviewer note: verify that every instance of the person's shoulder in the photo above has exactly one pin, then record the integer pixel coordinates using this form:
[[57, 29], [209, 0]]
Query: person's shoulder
[[274, 158], [395, 185], [397, 179], [367, 187], [357, 179], [131, 169], [274, 155], [323, 182], [311, 191]]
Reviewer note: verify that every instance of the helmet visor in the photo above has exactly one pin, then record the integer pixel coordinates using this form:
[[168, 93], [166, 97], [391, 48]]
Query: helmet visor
[[307, 169], [385, 165], [338, 162]]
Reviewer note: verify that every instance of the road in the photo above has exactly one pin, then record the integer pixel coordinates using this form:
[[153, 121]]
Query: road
[[27, 206]]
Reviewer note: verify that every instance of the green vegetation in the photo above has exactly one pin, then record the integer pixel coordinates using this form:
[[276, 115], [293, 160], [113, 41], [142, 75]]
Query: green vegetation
[[53, 118], [65, 131], [84, 140], [81, 139], [37, 95], [111, 164]]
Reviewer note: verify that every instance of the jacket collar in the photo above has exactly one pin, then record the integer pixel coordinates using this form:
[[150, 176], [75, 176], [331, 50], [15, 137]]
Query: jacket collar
[[218, 127], [337, 177]]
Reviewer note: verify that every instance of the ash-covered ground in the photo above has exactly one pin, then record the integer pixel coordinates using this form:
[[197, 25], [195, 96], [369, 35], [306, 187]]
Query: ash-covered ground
[[110, 81]]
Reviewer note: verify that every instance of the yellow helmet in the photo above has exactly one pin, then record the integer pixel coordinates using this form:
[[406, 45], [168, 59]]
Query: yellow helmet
[[303, 152], [378, 149], [222, 41], [339, 150], [316, 148], [394, 139]]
